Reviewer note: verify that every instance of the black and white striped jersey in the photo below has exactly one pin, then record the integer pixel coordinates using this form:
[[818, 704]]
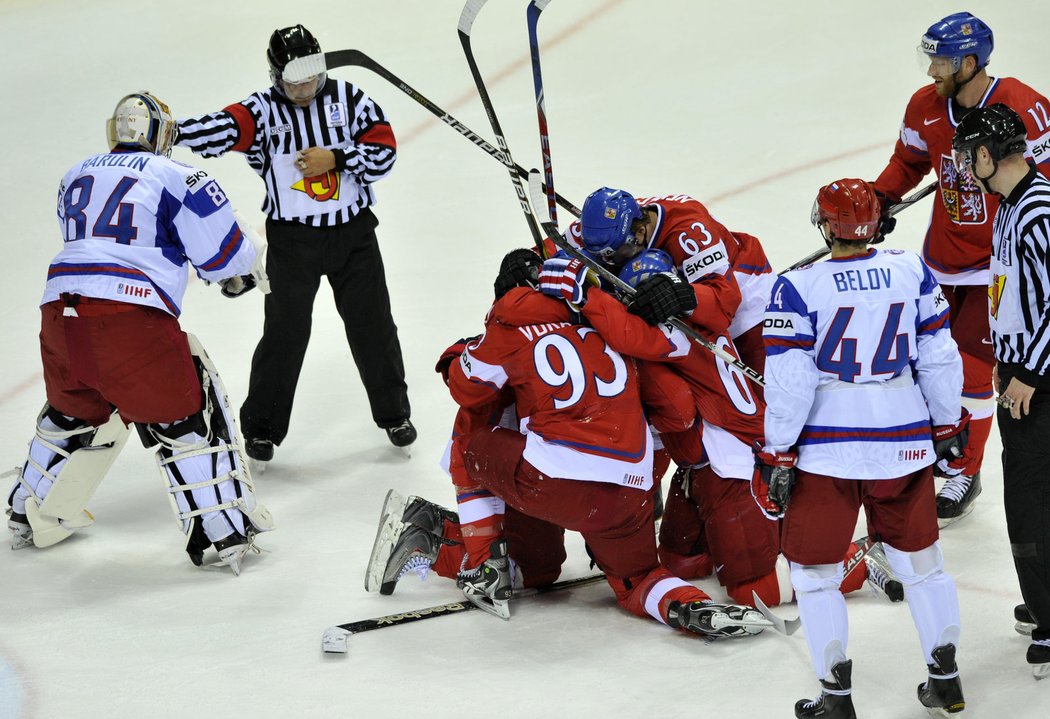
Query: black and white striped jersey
[[1019, 293], [270, 130]]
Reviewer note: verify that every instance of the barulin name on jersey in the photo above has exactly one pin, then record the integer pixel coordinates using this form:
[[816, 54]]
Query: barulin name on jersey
[[875, 278], [135, 162]]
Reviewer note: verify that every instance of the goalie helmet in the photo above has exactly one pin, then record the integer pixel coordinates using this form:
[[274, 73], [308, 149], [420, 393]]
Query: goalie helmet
[[957, 36], [850, 209], [141, 121], [297, 65], [645, 265], [605, 222], [996, 127]]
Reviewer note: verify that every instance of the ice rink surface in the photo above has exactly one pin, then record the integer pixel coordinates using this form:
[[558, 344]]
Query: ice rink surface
[[748, 106]]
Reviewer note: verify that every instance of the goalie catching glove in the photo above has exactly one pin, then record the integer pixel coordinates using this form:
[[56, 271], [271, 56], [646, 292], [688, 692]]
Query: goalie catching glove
[[566, 279], [661, 297], [949, 444], [773, 480]]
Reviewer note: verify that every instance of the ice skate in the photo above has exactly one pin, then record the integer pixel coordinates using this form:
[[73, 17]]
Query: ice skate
[[402, 436], [490, 585], [232, 549], [1039, 658], [955, 500], [880, 576], [836, 698], [260, 453], [407, 541], [942, 693], [21, 532], [1023, 618], [717, 620]]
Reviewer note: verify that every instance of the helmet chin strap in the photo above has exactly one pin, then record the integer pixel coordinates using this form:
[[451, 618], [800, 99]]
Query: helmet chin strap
[[984, 180]]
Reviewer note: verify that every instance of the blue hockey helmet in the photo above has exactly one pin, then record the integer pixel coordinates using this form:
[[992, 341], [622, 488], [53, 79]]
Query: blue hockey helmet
[[646, 264], [955, 37], [605, 222]]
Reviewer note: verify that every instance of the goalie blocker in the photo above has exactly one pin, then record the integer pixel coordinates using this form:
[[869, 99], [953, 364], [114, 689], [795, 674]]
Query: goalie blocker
[[201, 459]]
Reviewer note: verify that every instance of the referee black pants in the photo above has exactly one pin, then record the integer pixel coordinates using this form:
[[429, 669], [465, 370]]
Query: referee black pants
[[298, 256], [1026, 484]]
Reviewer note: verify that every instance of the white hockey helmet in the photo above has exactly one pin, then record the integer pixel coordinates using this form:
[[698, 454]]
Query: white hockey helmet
[[141, 120]]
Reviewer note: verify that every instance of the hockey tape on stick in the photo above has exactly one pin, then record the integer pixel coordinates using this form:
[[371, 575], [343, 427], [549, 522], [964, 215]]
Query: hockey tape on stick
[[905, 203], [334, 639]]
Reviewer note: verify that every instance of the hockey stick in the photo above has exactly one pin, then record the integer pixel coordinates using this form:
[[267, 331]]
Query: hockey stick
[[466, 20], [784, 626], [894, 209], [536, 190], [532, 14], [356, 58], [334, 640]]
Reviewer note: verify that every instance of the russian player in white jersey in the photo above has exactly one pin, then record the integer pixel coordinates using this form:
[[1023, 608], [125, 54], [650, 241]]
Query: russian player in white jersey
[[863, 383], [132, 221]]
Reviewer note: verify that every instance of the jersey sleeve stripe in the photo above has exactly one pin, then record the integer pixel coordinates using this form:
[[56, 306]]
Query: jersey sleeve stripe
[[245, 127], [229, 247]]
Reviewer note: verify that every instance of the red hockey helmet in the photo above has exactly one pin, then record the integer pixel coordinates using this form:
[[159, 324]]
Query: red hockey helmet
[[851, 210]]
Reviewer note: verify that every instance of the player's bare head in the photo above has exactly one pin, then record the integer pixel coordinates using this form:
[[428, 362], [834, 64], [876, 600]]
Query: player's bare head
[[954, 50], [140, 121], [610, 223], [297, 65], [847, 211]]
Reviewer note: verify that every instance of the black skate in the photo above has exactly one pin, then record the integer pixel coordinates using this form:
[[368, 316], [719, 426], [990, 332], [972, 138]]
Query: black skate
[[409, 537], [942, 693], [1023, 618], [260, 453], [1039, 653], [402, 435], [717, 620], [490, 585], [955, 500], [836, 698], [880, 574]]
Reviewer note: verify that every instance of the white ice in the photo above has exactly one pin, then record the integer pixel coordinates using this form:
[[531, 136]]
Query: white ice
[[748, 106]]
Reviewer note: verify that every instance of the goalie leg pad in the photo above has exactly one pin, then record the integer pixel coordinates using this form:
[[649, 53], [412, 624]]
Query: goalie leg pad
[[931, 595], [68, 459], [201, 458]]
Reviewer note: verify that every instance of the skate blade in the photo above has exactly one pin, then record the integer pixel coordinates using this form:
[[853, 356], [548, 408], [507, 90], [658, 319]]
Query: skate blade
[[1041, 671], [496, 607], [1024, 628], [389, 531], [257, 467], [406, 450], [945, 523]]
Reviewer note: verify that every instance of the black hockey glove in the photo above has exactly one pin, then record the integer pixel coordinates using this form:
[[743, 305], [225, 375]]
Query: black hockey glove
[[236, 286], [519, 268], [886, 222], [661, 296], [949, 444], [773, 480]]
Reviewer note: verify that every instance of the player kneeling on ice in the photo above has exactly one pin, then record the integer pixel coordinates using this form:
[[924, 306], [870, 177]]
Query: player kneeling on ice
[[579, 457], [863, 381], [113, 351]]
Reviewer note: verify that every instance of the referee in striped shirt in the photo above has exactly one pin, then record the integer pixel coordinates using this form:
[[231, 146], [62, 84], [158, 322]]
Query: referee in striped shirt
[[318, 144], [990, 143]]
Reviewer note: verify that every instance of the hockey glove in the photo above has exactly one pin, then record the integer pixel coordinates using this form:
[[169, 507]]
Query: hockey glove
[[661, 296], [519, 268], [565, 279], [886, 221], [452, 354], [773, 480], [237, 285], [949, 444]]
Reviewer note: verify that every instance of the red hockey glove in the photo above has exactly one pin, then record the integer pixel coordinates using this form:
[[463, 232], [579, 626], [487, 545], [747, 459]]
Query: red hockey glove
[[949, 444], [773, 480], [565, 279], [886, 221], [451, 355]]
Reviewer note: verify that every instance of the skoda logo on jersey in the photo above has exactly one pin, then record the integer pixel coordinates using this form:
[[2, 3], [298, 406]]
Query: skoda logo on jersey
[[320, 187], [335, 112]]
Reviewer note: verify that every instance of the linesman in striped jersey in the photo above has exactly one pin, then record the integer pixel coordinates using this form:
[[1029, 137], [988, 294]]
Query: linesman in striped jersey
[[318, 144], [990, 144]]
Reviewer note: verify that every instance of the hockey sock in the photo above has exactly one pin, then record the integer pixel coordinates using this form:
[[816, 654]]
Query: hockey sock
[[480, 522], [687, 566], [823, 611], [651, 593], [931, 596], [773, 588]]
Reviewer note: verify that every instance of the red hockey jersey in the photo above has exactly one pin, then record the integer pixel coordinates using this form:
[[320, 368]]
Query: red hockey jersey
[[958, 243]]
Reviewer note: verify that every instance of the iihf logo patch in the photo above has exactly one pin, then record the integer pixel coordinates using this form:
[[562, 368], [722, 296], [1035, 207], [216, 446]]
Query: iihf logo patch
[[335, 113]]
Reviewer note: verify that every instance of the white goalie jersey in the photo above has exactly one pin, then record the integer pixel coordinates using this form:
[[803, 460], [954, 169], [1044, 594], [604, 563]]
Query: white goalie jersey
[[859, 360], [132, 220]]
